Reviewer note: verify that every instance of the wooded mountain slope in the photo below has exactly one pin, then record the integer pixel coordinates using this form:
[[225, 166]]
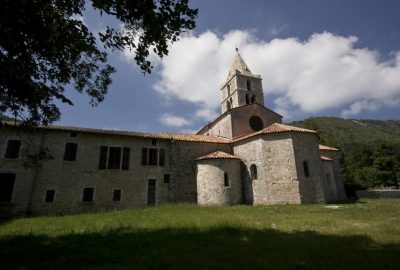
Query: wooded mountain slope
[[369, 149]]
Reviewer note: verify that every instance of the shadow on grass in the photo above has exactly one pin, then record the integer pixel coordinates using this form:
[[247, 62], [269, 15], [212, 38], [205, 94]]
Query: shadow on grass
[[220, 248]]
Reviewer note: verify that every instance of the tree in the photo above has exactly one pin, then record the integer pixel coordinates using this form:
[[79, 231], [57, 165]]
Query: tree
[[44, 48]]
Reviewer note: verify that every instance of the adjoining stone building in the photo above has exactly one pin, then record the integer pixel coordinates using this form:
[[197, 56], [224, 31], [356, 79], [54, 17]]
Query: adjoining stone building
[[246, 155]]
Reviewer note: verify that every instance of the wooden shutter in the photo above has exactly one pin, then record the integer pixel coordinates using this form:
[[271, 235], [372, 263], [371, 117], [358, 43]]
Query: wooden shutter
[[144, 156], [125, 158], [103, 157], [162, 157], [13, 147]]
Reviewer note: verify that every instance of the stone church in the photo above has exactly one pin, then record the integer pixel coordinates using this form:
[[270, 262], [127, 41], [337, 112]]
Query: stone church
[[245, 156]]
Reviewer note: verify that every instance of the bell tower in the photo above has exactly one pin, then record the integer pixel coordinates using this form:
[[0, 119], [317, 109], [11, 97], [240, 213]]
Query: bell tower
[[241, 87]]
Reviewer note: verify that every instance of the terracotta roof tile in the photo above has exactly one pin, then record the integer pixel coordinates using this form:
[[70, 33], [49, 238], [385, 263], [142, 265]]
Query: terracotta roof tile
[[167, 136], [217, 155], [325, 158], [324, 147], [275, 128]]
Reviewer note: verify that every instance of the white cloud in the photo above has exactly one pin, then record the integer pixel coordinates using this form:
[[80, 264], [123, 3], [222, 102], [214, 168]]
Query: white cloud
[[168, 119], [326, 71], [359, 106]]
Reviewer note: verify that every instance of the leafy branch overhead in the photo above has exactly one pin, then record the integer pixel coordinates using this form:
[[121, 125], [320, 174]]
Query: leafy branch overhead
[[45, 47]]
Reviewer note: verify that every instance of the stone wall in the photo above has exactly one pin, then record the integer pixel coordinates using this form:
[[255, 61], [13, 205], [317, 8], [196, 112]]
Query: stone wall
[[222, 128], [69, 178], [24, 177], [312, 188], [327, 176], [334, 155], [211, 188], [183, 167], [276, 180], [240, 118], [374, 194]]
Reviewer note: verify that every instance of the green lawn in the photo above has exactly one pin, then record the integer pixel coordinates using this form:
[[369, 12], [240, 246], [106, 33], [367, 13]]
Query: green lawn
[[359, 235]]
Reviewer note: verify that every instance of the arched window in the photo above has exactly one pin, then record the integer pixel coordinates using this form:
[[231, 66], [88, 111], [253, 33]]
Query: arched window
[[226, 180], [306, 169], [253, 99], [247, 99], [248, 84], [228, 105], [231, 101], [228, 87], [253, 171]]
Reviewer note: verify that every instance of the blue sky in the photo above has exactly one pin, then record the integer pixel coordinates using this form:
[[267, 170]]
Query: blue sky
[[317, 58]]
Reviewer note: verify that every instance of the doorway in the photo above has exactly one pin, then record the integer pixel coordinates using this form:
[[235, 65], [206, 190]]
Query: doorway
[[151, 192]]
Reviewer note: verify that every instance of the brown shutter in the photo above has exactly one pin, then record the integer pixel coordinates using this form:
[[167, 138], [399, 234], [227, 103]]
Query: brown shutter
[[125, 158], [103, 157], [70, 151], [13, 147], [144, 156], [162, 157]]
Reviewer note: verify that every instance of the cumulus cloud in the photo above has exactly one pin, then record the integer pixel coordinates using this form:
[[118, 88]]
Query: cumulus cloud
[[171, 120], [359, 106], [323, 72]]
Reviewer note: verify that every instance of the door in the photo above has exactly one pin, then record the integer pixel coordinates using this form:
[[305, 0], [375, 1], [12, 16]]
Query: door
[[6, 186], [151, 192]]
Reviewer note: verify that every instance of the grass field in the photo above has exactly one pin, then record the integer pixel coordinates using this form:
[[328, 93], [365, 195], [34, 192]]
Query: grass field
[[358, 235]]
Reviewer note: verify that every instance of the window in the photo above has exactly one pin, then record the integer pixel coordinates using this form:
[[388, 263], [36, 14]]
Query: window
[[153, 141], [116, 195], [50, 194], [6, 186], [228, 87], [226, 180], [253, 99], [253, 171], [110, 157], [228, 105], [70, 151], [256, 123], [166, 178], [114, 158], [74, 134], [13, 147], [88, 195], [153, 156], [248, 84], [247, 99], [306, 169]]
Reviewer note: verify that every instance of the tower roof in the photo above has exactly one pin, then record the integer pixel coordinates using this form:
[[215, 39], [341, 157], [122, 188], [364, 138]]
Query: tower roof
[[239, 65]]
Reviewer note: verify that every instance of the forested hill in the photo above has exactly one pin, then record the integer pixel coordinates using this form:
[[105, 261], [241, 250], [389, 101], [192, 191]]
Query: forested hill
[[369, 149], [348, 133]]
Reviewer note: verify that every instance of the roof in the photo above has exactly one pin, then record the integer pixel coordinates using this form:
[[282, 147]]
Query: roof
[[217, 155], [275, 128], [328, 148], [239, 65], [325, 158], [212, 123], [168, 136]]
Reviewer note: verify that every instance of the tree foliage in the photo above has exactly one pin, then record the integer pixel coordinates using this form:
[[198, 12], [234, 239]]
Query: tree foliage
[[44, 47], [369, 149]]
